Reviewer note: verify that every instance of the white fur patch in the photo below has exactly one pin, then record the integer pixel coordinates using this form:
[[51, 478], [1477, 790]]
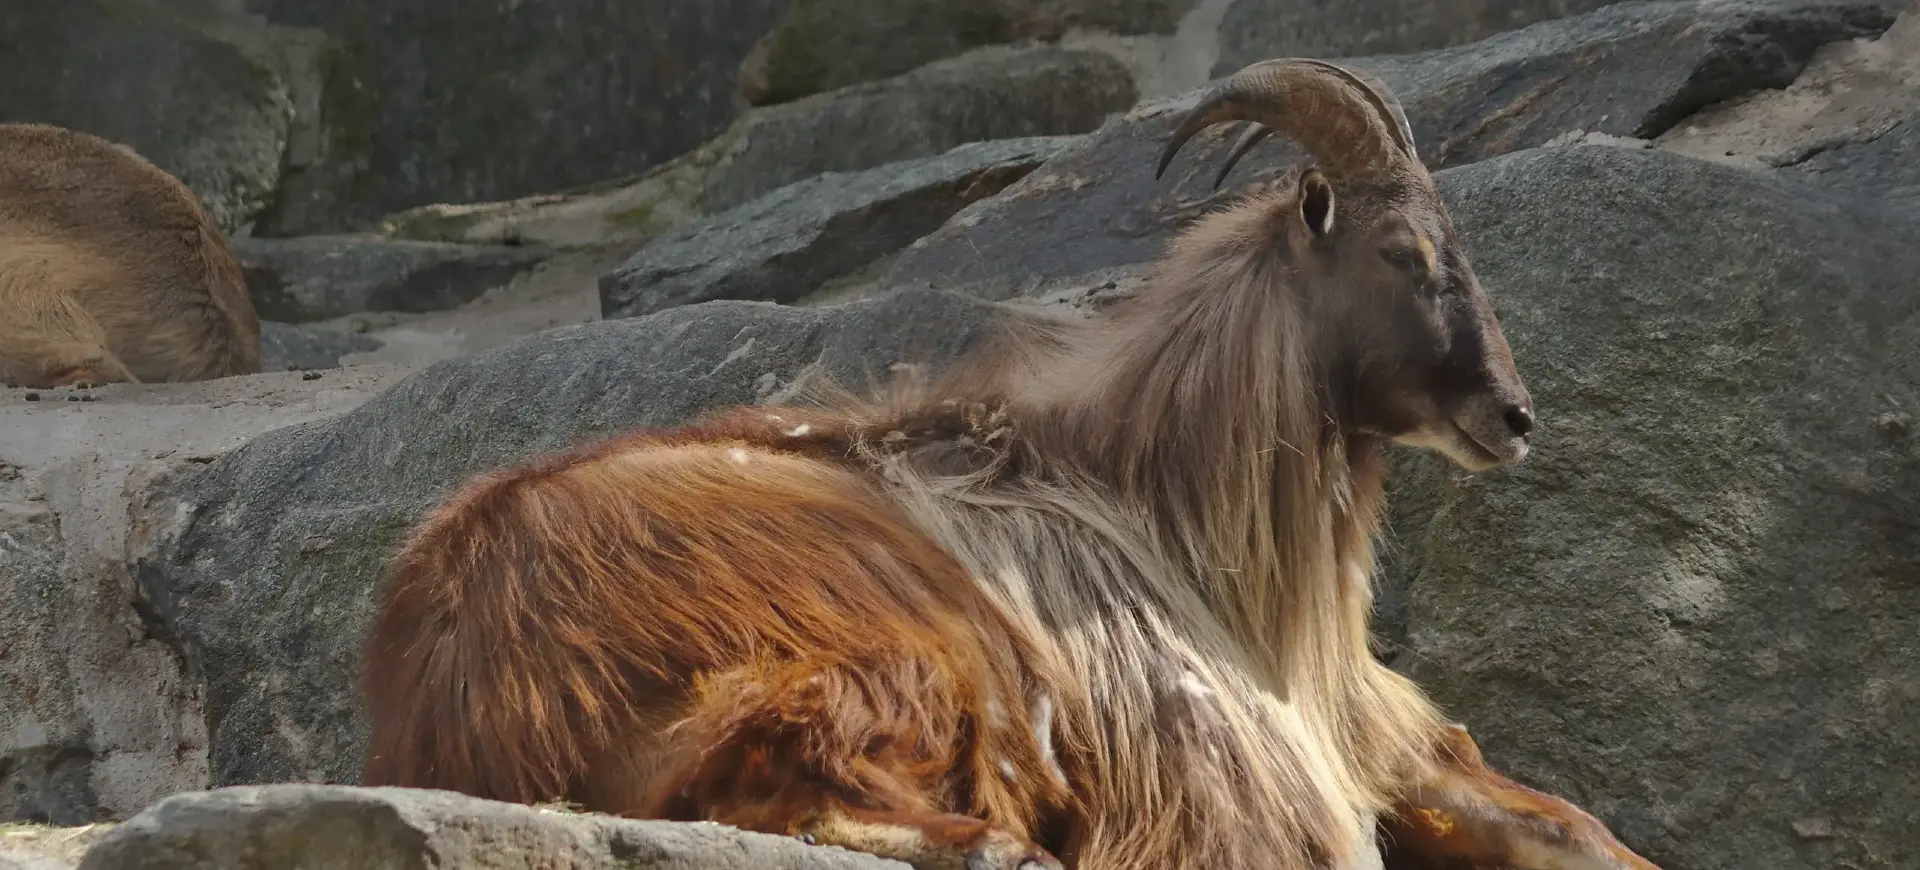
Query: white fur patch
[[799, 430], [1190, 683], [1043, 734], [737, 455]]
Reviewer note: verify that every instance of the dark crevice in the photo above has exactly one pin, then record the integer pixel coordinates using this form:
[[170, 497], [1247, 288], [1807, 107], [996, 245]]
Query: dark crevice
[[50, 785], [1820, 148]]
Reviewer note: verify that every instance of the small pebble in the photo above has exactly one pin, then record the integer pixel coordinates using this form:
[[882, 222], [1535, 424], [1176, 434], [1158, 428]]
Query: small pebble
[[309, 376], [32, 397]]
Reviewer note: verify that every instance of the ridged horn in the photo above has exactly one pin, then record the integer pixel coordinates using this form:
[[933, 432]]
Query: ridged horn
[[1250, 138], [1348, 121]]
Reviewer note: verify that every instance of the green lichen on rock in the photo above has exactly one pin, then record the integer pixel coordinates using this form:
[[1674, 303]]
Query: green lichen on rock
[[824, 45], [433, 223], [349, 109], [622, 210]]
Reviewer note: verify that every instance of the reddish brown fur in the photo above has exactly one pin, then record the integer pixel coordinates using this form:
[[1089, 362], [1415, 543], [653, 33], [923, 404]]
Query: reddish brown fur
[[1101, 594], [889, 712], [110, 269]]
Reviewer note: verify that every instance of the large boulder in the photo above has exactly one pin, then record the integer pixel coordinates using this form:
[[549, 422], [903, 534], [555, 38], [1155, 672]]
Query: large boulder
[[1254, 30], [1692, 608], [207, 97], [97, 718], [436, 101], [346, 828], [998, 92], [262, 564], [823, 45], [1631, 69], [784, 245]]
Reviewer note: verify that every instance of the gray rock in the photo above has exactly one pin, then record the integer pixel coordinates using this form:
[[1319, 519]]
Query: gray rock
[[1886, 166], [824, 45], [198, 93], [97, 719], [344, 828], [782, 246], [1255, 30], [318, 277], [998, 92], [262, 563], [1692, 608], [443, 101], [1630, 69], [284, 346]]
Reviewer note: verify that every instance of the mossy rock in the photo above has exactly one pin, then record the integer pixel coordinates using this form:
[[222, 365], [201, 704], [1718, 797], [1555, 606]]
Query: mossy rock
[[825, 45]]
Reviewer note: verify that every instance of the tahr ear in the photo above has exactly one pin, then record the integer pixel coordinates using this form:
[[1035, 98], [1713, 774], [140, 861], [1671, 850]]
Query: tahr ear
[[1316, 202]]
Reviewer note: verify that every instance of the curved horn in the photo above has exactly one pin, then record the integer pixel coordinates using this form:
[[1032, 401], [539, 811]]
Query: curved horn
[[1252, 137], [1349, 125], [1383, 100]]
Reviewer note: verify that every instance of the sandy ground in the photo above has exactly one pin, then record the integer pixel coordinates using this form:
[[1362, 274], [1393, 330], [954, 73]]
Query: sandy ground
[[561, 291], [31, 847], [162, 421]]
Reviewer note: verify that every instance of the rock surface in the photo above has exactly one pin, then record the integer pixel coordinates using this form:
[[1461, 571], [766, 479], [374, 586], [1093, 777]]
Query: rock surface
[[1693, 607], [96, 718], [200, 94], [317, 277], [1886, 166], [258, 828], [1630, 69], [299, 523], [784, 245], [1255, 30], [999, 92], [823, 45], [286, 347], [438, 101]]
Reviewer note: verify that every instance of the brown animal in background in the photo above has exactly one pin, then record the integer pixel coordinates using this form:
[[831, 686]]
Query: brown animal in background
[[110, 269], [1099, 598]]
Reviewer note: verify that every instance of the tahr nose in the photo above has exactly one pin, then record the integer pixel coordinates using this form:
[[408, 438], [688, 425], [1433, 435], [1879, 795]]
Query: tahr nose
[[1520, 420]]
